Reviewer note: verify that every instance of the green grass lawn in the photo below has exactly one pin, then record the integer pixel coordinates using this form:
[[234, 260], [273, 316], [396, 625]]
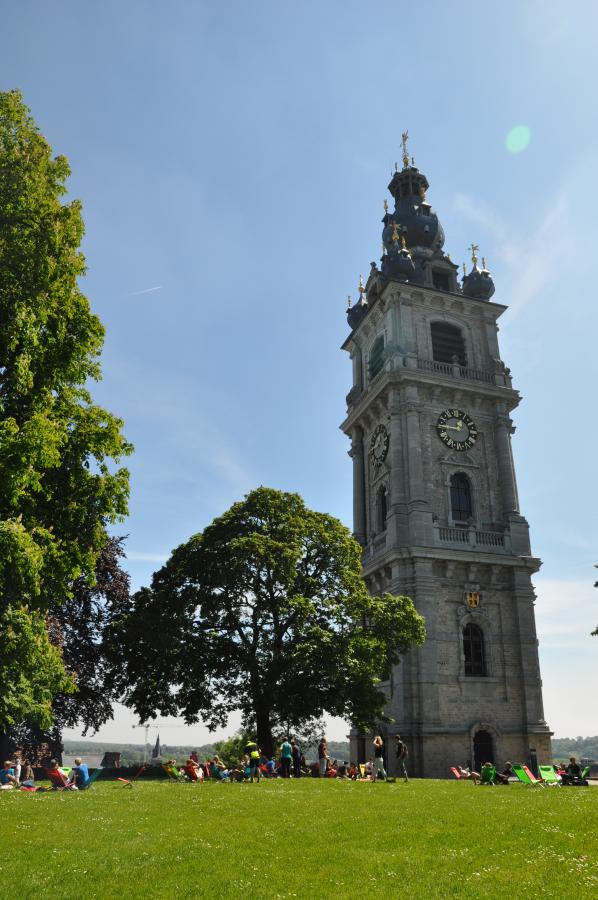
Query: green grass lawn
[[306, 838]]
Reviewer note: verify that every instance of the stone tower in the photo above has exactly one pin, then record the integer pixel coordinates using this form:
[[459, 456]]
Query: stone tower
[[435, 501]]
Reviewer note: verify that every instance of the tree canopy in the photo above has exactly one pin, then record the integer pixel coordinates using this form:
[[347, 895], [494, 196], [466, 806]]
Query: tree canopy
[[265, 612], [58, 487]]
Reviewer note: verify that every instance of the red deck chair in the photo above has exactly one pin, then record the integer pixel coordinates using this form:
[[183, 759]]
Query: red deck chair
[[57, 778], [456, 773], [128, 782], [195, 773]]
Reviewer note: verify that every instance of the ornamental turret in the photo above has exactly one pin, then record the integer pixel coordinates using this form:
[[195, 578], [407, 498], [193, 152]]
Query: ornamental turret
[[478, 284]]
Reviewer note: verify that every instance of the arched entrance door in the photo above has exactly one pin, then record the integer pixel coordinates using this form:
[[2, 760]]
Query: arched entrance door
[[482, 749]]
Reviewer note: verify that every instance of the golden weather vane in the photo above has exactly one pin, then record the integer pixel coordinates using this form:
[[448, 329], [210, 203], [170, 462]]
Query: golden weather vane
[[404, 139], [474, 249]]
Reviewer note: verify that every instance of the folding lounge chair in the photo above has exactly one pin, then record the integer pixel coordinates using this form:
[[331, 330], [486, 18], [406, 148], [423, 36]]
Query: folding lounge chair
[[93, 777], [456, 773], [128, 782], [585, 773], [548, 775], [195, 774], [57, 779], [488, 774], [525, 776], [173, 773]]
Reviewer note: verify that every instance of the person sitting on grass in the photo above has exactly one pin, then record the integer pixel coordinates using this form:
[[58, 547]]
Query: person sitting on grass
[[218, 770], [79, 774], [58, 778], [8, 778], [27, 774], [469, 775], [332, 769], [353, 772], [573, 772]]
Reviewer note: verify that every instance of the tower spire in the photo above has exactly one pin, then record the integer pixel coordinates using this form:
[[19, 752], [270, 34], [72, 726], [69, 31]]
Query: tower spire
[[404, 139]]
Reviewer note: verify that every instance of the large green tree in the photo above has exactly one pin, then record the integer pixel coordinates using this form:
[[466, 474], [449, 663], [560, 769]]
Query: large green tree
[[59, 488], [264, 612]]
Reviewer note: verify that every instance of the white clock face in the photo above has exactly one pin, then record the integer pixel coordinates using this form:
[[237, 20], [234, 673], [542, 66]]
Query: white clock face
[[379, 445], [456, 429]]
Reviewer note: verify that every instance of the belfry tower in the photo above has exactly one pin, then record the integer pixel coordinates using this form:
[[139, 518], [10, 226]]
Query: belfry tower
[[435, 501]]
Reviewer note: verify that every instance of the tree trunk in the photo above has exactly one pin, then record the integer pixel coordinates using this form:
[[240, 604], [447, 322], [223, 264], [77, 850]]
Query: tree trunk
[[264, 731]]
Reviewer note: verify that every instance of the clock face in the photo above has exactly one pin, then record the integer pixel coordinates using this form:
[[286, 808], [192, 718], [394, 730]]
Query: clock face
[[456, 429], [379, 445]]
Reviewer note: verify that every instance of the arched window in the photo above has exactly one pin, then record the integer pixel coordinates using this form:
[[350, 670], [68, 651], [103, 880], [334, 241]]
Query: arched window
[[473, 649], [376, 360], [382, 508], [448, 345], [461, 505]]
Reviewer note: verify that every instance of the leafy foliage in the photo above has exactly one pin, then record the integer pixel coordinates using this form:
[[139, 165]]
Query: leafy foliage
[[265, 612], [31, 670], [58, 491]]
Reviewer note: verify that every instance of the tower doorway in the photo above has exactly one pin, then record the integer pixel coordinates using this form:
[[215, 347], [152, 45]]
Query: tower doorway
[[482, 749]]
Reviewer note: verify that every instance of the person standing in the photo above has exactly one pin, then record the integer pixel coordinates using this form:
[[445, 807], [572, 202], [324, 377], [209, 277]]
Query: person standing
[[322, 757], [253, 752], [296, 754], [378, 758], [401, 754], [286, 755]]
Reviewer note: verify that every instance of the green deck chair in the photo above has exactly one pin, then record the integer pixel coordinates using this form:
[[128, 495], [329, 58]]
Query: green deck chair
[[488, 774], [585, 773], [173, 773], [93, 777], [525, 776], [548, 775]]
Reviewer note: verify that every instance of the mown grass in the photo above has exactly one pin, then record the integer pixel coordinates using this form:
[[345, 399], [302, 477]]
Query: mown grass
[[306, 838]]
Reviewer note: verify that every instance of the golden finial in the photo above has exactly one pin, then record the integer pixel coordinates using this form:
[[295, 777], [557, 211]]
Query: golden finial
[[404, 138], [361, 285], [395, 232], [464, 270], [474, 249], [348, 301], [386, 206]]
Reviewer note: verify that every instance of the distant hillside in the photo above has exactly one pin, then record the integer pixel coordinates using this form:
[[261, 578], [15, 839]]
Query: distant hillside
[[563, 748]]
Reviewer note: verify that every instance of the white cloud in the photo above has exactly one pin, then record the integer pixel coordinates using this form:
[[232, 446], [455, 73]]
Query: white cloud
[[523, 259], [145, 291]]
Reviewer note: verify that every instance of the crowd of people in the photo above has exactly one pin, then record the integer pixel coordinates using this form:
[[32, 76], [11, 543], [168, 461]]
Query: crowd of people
[[19, 773], [570, 774], [253, 765]]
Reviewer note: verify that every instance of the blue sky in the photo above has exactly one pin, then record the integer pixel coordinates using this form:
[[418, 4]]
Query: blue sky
[[232, 160]]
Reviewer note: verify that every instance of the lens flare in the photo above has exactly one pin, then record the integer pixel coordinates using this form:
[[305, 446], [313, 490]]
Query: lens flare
[[518, 138]]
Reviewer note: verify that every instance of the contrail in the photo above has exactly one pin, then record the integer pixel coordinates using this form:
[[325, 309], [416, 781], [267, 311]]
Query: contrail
[[146, 291]]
